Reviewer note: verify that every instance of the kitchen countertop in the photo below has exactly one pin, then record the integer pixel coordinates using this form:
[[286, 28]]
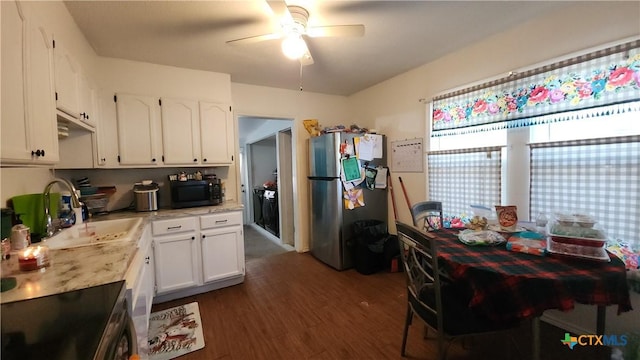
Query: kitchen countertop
[[85, 266]]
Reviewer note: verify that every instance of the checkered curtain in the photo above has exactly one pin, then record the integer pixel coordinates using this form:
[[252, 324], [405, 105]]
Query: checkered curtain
[[598, 176], [460, 178]]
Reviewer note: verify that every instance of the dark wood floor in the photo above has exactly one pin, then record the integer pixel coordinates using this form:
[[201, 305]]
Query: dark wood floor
[[291, 306]]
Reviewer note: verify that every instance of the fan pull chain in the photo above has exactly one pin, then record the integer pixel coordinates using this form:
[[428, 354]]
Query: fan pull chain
[[300, 76]]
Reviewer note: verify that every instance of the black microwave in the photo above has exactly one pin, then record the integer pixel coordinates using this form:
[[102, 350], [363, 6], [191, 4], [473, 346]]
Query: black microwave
[[193, 193]]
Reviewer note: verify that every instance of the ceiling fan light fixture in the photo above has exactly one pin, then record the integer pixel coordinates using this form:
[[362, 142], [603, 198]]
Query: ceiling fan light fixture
[[293, 46]]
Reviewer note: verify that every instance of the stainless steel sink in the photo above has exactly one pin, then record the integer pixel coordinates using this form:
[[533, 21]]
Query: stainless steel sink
[[92, 233]]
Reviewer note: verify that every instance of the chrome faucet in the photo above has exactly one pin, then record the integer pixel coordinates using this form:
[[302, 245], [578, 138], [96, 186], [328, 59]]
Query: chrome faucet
[[75, 203]]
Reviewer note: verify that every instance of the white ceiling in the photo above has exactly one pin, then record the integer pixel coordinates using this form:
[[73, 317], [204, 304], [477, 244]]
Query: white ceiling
[[399, 36]]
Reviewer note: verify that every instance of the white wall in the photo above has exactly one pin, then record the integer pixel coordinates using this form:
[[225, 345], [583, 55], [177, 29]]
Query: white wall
[[58, 21], [117, 75], [260, 101], [20, 181], [257, 129], [264, 160], [394, 109]]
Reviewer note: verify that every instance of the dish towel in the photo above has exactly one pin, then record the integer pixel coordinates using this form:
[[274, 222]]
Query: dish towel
[[30, 208]]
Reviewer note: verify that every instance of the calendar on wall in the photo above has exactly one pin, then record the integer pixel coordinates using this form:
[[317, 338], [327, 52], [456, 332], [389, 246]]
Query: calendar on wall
[[407, 155]]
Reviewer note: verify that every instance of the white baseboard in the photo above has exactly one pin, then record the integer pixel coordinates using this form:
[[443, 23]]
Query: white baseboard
[[562, 324]]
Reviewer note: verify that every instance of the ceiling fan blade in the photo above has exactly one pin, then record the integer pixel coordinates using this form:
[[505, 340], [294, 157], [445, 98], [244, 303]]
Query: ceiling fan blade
[[336, 31], [280, 10], [255, 39]]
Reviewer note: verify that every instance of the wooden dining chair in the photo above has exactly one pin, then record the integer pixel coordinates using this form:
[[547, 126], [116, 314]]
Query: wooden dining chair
[[440, 303], [423, 212]]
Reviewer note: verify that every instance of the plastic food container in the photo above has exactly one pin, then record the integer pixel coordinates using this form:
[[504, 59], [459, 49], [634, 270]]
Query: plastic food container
[[577, 251], [582, 220], [577, 235]]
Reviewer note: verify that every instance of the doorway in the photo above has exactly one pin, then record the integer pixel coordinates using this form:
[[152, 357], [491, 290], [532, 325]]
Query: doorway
[[267, 173]]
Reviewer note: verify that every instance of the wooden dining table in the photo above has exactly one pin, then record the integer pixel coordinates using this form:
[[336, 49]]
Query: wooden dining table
[[508, 286]]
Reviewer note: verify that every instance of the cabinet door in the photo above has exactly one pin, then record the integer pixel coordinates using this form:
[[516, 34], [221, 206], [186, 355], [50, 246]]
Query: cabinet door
[[137, 117], [147, 291], [180, 132], [176, 262], [40, 94], [88, 100], [67, 77], [217, 134], [222, 253], [15, 137], [140, 289], [106, 134]]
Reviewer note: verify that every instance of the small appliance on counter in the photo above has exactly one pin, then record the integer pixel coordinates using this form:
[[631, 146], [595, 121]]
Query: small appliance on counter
[[146, 196], [190, 192]]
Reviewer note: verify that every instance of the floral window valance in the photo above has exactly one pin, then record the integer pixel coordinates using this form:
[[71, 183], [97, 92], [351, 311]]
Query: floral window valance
[[608, 76]]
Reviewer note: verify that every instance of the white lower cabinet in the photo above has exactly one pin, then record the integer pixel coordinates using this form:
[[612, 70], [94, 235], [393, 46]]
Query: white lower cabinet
[[140, 280], [176, 254], [197, 254], [222, 246]]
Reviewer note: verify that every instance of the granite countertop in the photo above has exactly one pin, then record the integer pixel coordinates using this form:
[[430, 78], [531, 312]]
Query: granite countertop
[[171, 213], [86, 266]]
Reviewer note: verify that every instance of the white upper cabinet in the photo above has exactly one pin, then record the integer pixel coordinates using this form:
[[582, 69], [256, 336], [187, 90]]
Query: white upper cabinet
[[180, 132], [88, 101], [15, 136], [29, 134], [216, 133], [137, 118], [67, 80], [106, 136], [196, 133], [40, 95]]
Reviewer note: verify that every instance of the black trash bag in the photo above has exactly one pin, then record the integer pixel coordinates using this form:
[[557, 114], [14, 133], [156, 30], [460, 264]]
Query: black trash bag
[[370, 239], [391, 250]]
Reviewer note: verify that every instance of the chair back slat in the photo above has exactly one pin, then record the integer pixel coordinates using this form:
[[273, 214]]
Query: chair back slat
[[420, 263]]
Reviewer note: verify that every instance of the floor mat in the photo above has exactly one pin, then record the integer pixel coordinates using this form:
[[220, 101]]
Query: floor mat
[[174, 332]]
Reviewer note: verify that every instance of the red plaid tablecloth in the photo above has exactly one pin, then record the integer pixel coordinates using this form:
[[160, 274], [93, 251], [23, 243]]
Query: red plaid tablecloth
[[508, 286]]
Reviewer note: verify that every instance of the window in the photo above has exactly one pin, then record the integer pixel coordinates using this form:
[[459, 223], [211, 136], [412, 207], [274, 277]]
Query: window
[[600, 177], [593, 164], [589, 164], [465, 177]]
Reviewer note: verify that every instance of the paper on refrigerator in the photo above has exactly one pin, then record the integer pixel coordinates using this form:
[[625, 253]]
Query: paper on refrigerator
[[369, 147]]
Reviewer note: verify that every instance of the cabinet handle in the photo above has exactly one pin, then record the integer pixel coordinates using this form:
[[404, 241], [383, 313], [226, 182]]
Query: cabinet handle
[[195, 160], [147, 260], [193, 238], [221, 221], [37, 153], [174, 227], [42, 152], [153, 160], [83, 115], [205, 160], [204, 236]]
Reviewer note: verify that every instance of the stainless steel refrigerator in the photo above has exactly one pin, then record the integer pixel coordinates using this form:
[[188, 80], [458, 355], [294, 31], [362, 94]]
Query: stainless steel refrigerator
[[332, 238]]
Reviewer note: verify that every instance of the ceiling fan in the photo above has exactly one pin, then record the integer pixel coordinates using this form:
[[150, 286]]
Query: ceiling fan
[[294, 22]]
